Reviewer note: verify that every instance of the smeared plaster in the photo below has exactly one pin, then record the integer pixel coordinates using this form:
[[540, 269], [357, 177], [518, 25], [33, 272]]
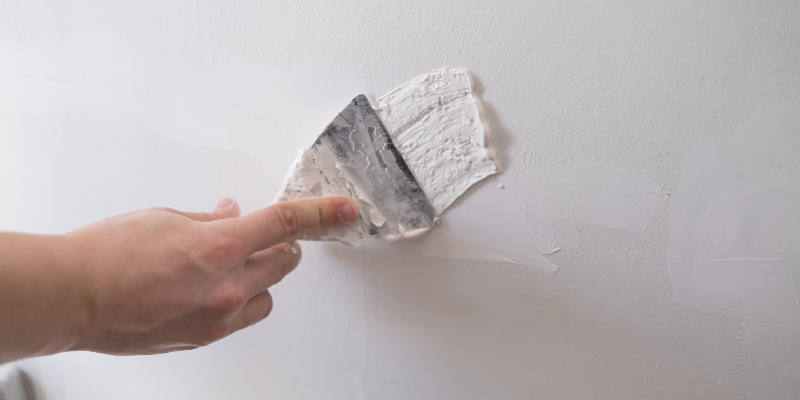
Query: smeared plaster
[[735, 238], [591, 193], [741, 200], [792, 370]]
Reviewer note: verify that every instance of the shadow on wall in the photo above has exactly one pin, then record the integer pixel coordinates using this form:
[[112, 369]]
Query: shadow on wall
[[501, 139], [502, 331]]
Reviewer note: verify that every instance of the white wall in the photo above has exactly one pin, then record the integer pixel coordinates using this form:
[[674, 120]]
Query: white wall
[[654, 143]]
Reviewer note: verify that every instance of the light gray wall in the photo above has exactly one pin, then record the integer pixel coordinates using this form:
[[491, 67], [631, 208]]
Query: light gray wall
[[654, 143]]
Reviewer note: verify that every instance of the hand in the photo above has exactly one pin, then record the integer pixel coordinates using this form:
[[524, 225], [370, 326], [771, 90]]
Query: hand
[[160, 280]]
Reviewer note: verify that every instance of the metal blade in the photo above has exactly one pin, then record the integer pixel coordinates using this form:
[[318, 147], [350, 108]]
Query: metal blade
[[364, 152]]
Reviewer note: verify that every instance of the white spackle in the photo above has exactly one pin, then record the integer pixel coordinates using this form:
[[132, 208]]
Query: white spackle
[[315, 176], [436, 123], [404, 234], [377, 218]]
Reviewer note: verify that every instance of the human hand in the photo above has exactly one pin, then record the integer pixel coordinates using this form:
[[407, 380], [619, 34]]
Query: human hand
[[161, 280]]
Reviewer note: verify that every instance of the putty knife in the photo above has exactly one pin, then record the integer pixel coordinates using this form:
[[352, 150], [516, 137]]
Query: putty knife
[[365, 154]]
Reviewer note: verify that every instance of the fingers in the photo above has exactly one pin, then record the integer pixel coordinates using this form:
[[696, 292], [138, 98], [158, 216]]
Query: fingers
[[262, 270], [268, 267], [283, 222], [253, 311], [225, 208]]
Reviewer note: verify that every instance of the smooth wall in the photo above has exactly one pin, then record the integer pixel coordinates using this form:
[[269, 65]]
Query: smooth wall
[[651, 154]]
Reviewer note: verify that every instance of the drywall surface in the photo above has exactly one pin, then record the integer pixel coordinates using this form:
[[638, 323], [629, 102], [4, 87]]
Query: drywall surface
[[640, 243]]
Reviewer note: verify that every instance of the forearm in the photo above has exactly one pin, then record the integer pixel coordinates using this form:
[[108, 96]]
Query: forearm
[[41, 295]]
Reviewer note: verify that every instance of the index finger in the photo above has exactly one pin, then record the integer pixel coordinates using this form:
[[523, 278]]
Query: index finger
[[284, 221]]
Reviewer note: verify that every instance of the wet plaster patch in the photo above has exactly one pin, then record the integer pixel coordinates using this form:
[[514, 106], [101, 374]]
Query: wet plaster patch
[[591, 193], [735, 238]]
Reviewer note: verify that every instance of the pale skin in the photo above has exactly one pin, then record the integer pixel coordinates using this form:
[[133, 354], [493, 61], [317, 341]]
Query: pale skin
[[151, 281]]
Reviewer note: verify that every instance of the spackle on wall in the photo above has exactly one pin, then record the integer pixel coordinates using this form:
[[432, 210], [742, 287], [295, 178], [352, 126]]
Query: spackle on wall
[[437, 142], [584, 192], [437, 124], [734, 246], [740, 205]]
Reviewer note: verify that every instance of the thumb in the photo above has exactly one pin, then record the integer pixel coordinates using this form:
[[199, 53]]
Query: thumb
[[225, 208]]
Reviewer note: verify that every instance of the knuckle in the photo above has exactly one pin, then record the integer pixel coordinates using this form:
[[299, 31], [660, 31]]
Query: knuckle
[[227, 302], [223, 248], [281, 265], [288, 220], [284, 259], [322, 219]]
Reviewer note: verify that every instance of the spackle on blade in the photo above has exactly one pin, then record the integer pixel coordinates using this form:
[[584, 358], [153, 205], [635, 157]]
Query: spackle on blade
[[355, 157], [405, 161]]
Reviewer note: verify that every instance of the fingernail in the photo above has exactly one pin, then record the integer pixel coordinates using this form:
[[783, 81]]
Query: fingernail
[[224, 203], [347, 213]]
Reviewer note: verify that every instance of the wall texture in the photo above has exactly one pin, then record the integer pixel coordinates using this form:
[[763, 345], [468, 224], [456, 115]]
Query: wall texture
[[651, 153]]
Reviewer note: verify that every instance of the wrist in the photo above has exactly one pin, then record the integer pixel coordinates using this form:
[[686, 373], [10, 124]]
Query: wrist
[[42, 300], [73, 263]]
